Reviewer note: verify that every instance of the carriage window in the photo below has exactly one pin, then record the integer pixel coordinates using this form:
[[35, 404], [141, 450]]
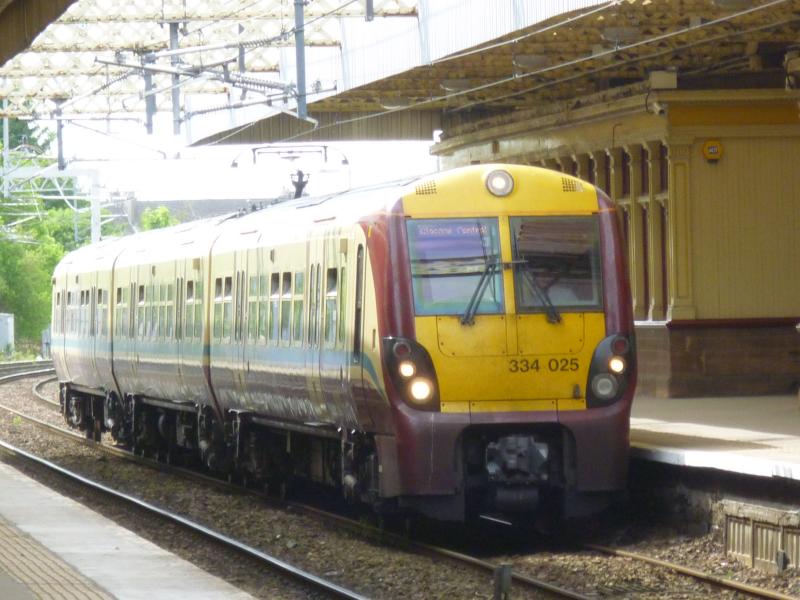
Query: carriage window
[[162, 310], [274, 306], [557, 264], [331, 295], [252, 309], [286, 307], [198, 309], [455, 263], [170, 311], [152, 308], [218, 308], [227, 309], [262, 308], [140, 322], [342, 304], [189, 316], [297, 306]]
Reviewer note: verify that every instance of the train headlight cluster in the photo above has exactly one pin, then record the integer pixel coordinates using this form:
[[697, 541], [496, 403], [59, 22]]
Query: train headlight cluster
[[411, 370], [500, 183], [612, 366]]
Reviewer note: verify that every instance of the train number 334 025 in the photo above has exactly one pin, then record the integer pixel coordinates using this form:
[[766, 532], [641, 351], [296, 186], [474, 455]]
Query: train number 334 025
[[524, 365]]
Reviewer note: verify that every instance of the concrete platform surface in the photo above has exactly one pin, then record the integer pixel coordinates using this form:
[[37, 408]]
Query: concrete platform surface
[[753, 435], [52, 547]]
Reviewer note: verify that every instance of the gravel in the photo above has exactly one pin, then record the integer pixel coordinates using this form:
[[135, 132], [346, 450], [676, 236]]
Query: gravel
[[374, 569]]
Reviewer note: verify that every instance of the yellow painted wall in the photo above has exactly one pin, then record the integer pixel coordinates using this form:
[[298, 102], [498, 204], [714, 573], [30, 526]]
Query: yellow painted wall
[[745, 221]]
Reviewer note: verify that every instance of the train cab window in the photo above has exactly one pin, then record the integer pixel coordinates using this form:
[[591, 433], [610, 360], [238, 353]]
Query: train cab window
[[286, 307], [557, 264], [331, 305], [455, 266], [274, 306], [297, 307]]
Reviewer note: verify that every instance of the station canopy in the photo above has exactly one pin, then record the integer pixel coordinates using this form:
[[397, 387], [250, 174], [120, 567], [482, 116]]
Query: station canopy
[[458, 59]]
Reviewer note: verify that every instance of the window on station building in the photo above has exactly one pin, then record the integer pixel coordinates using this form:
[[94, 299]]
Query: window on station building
[[663, 160], [644, 172], [626, 174]]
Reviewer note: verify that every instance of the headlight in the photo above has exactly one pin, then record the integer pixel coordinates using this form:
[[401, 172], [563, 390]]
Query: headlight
[[412, 373], [616, 364], [500, 183], [604, 386], [407, 369], [421, 390]]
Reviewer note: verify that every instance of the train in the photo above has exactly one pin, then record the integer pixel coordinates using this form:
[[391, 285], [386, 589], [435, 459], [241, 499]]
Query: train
[[453, 345]]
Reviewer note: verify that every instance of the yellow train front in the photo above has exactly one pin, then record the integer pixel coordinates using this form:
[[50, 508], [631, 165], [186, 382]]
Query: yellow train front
[[510, 344], [455, 345]]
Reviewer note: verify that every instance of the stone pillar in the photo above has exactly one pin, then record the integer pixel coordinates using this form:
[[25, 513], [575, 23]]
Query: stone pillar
[[636, 239], [681, 301], [655, 228]]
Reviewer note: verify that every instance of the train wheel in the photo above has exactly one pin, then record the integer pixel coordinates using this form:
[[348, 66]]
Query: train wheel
[[75, 411]]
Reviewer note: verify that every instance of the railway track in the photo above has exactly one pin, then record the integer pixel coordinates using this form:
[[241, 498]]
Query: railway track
[[510, 573], [313, 582]]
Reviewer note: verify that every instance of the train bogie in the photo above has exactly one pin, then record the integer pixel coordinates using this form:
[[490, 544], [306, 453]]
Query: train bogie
[[453, 345]]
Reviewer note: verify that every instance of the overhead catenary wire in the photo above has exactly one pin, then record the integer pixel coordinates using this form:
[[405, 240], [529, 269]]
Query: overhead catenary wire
[[574, 62]]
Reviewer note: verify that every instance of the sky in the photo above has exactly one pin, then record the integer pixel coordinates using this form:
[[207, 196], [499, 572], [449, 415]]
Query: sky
[[158, 167]]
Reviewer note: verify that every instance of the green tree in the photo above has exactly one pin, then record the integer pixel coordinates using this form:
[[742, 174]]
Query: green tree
[[157, 218]]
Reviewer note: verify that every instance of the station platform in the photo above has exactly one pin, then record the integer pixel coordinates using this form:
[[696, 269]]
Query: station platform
[[53, 548], [750, 435]]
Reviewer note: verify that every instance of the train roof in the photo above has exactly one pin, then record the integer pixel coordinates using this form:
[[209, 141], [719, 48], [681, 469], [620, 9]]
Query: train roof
[[282, 222]]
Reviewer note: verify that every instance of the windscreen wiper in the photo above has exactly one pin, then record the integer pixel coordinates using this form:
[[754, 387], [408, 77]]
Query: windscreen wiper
[[553, 316], [468, 318]]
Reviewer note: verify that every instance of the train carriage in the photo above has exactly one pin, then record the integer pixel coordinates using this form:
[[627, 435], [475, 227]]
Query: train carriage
[[456, 344]]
